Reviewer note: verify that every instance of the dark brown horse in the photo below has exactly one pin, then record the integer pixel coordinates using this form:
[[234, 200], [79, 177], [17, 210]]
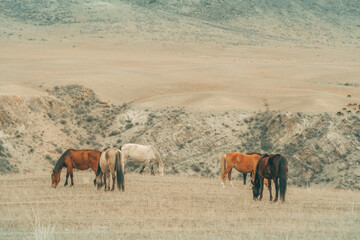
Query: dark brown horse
[[79, 159], [269, 167]]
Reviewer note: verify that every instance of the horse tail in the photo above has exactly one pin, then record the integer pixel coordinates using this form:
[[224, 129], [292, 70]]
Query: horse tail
[[283, 177], [119, 170], [223, 164], [60, 163], [160, 162], [98, 170]]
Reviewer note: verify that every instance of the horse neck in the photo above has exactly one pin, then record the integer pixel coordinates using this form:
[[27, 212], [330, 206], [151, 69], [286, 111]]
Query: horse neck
[[59, 172]]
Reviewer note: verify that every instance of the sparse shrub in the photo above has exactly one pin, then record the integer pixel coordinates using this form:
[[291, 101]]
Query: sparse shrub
[[89, 118], [195, 168], [63, 121], [114, 133], [128, 126], [58, 150], [181, 146]]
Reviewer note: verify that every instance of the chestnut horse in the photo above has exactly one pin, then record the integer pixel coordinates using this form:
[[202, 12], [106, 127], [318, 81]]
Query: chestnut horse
[[79, 159], [269, 167], [242, 162], [111, 161]]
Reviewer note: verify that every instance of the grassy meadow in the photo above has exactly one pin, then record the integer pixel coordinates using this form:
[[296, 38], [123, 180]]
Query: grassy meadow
[[170, 207]]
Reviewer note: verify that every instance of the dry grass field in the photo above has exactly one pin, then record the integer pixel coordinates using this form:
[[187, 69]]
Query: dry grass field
[[170, 207]]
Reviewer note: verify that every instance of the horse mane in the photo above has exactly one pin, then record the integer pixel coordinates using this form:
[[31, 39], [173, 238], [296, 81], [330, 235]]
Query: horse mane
[[106, 148], [60, 163], [253, 153]]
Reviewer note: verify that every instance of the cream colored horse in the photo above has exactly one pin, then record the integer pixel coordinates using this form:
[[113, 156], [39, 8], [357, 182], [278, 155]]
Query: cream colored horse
[[145, 155], [111, 161]]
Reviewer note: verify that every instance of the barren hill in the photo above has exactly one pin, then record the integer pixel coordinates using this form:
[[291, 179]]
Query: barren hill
[[321, 149], [296, 23]]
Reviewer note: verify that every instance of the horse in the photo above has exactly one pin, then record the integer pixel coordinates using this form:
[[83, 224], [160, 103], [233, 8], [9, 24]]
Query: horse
[[242, 162], [111, 161], [273, 167], [143, 154], [266, 182], [349, 96], [79, 159]]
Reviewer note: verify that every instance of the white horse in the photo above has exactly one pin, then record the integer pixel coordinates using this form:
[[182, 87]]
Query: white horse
[[145, 155], [111, 160]]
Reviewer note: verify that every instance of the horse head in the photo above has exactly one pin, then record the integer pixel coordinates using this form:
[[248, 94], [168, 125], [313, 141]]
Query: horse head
[[98, 181], [55, 179], [256, 188]]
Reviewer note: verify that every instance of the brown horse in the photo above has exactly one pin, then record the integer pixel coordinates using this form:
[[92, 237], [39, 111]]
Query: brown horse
[[242, 162], [273, 167], [79, 159]]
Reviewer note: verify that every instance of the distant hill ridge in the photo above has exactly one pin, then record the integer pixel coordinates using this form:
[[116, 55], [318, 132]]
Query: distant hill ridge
[[321, 148], [254, 22]]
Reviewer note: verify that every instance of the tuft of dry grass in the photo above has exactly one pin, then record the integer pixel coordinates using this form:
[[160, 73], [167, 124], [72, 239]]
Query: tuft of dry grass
[[170, 207]]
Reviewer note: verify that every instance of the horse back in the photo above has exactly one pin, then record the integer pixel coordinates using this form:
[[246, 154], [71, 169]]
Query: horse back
[[84, 159]]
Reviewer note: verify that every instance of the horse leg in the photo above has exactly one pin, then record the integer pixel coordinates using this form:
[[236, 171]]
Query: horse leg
[[223, 176], [113, 179], [142, 168], [261, 187], [108, 181], [66, 181], [71, 176], [269, 186], [152, 169], [244, 175], [277, 189], [229, 176], [105, 180]]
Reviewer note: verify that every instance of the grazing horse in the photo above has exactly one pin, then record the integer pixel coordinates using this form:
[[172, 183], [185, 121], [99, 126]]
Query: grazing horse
[[273, 167], [145, 155], [242, 162], [350, 105], [349, 96], [79, 159], [111, 161]]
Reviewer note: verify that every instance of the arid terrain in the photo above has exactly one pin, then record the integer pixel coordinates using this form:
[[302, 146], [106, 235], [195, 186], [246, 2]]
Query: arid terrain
[[171, 207], [195, 79]]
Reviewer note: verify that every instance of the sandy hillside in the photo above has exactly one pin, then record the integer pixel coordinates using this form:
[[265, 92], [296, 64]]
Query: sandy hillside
[[203, 55], [244, 78]]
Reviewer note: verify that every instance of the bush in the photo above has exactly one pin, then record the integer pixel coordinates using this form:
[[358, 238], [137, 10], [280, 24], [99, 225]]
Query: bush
[[90, 118], [195, 168], [114, 133], [128, 126], [59, 150]]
